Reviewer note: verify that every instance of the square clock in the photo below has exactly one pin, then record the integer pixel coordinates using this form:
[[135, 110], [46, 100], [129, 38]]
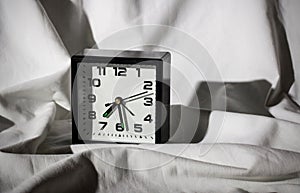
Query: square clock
[[120, 96]]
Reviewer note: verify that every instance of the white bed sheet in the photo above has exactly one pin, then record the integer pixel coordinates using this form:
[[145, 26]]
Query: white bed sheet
[[247, 153]]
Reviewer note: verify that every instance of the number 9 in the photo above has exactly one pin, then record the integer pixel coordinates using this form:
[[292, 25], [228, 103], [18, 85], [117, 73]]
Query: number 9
[[92, 98]]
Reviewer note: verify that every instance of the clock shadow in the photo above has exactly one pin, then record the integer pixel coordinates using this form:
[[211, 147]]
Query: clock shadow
[[189, 124]]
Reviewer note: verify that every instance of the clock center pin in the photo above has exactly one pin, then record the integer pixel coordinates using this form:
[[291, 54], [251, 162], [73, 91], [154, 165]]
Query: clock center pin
[[118, 100]]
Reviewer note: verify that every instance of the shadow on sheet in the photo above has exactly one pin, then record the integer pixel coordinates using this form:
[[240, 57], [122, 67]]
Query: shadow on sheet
[[189, 124]]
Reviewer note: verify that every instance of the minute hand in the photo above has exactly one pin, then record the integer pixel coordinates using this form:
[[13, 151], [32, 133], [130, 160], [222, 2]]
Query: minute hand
[[136, 95], [133, 99]]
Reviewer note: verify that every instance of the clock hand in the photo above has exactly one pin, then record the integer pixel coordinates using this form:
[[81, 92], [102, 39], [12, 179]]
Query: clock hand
[[107, 104], [135, 95], [110, 110], [139, 97], [121, 116], [127, 109], [125, 118]]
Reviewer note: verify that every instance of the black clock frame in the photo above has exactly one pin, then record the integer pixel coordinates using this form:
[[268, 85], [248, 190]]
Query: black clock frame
[[162, 62]]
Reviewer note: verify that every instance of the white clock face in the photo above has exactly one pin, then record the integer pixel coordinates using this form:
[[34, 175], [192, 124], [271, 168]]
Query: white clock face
[[118, 102]]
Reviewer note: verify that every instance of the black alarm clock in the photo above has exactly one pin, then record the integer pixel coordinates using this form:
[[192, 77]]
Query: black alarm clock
[[120, 96]]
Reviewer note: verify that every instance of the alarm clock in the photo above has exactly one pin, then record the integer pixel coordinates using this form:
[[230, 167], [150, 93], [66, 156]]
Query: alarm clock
[[120, 96]]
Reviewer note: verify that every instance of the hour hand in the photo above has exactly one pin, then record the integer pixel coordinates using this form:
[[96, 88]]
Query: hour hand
[[110, 110]]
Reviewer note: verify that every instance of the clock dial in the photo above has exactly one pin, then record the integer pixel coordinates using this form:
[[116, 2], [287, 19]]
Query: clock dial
[[119, 102]]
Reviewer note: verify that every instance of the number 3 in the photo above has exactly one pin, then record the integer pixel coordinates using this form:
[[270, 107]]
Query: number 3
[[148, 101]]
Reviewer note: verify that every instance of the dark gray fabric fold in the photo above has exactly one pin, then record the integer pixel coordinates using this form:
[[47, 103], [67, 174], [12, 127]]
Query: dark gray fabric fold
[[282, 50]]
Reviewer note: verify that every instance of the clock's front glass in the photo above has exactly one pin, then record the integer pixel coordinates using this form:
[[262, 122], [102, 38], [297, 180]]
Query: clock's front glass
[[116, 102]]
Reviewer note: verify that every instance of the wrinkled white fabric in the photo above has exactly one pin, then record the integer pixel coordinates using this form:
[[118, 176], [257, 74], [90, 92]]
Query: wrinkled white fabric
[[247, 153]]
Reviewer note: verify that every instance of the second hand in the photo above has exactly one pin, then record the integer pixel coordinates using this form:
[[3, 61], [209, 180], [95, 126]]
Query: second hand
[[139, 97]]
